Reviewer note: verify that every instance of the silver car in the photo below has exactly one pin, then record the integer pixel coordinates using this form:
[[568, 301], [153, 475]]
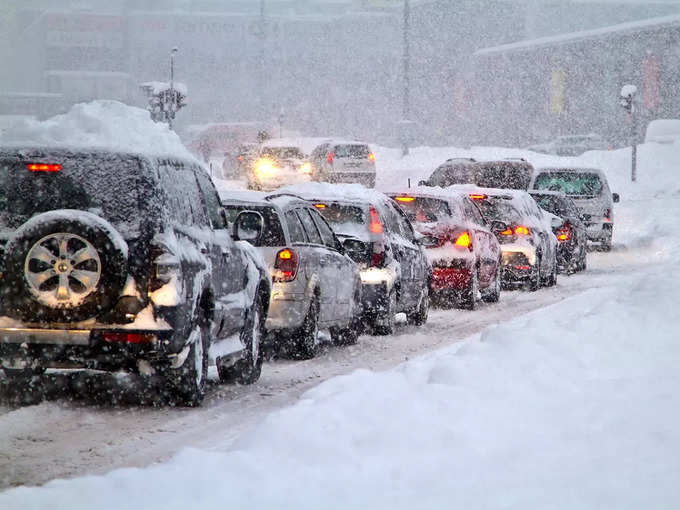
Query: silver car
[[589, 189], [315, 285], [349, 162]]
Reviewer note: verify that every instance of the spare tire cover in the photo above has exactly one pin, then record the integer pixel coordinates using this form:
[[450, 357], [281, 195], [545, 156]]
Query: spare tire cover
[[63, 266]]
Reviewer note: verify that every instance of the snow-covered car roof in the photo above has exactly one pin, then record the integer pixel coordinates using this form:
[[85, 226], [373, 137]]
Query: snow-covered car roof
[[571, 169], [335, 192], [428, 192], [232, 196]]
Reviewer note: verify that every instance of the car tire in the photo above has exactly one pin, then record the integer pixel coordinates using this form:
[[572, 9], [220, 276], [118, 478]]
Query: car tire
[[494, 293], [385, 323], [419, 316], [189, 380], [468, 297], [552, 278], [348, 335], [306, 338], [248, 369], [98, 244]]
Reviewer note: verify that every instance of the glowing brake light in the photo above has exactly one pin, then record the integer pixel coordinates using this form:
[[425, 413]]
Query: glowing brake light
[[478, 196], [42, 167], [464, 240], [563, 233], [404, 199], [320, 206], [371, 157], [285, 266], [507, 232], [521, 231], [330, 156], [375, 225]]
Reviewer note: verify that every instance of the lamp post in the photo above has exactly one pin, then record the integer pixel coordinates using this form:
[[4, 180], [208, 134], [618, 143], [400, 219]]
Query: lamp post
[[406, 65], [627, 100], [172, 104]]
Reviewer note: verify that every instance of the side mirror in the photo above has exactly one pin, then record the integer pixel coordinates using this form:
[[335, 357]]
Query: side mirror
[[356, 250], [248, 226], [498, 226], [615, 198], [556, 221], [584, 217], [423, 183]]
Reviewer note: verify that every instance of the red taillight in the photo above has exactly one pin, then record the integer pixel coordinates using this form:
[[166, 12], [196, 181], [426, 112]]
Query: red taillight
[[608, 215], [129, 338], [330, 157], [404, 199], [240, 158], [285, 266], [522, 231], [563, 233], [477, 196], [464, 240], [43, 167], [377, 258], [507, 232], [320, 206], [371, 157], [375, 225]]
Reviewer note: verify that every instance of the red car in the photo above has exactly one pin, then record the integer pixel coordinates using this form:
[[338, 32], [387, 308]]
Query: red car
[[464, 252]]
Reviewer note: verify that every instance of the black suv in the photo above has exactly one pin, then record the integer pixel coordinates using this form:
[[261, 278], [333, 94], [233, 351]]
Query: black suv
[[509, 173], [118, 261]]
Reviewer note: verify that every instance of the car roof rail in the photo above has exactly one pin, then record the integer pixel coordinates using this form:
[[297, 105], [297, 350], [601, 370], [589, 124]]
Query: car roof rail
[[471, 160], [515, 159], [279, 195]]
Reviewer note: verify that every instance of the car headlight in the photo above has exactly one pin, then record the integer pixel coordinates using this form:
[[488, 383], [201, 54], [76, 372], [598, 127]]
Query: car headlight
[[306, 168], [265, 167]]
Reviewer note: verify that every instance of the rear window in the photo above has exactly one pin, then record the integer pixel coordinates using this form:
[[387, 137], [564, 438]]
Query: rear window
[[448, 174], [272, 234], [507, 175], [282, 152], [555, 205], [352, 151], [104, 184], [344, 219], [425, 210], [499, 209], [570, 183]]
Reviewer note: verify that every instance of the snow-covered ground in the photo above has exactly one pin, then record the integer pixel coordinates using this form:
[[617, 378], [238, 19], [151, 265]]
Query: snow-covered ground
[[570, 406]]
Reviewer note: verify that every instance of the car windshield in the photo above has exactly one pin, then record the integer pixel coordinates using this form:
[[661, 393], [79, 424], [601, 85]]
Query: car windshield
[[424, 210], [103, 184], [352, 151], [499, 209], [571, 183], [282, 152], [272, 233]]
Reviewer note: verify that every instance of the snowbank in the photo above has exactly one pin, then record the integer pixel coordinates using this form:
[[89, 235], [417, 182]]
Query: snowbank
[[104, 124]]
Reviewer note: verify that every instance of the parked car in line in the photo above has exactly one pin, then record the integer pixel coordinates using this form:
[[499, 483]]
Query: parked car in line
[[465, 255], [280, 161], [572, 238], [315, 284], [119, 261], [378, 236], [524, 231], [511, 173], [589, 189], [344, 161], [572, 145]]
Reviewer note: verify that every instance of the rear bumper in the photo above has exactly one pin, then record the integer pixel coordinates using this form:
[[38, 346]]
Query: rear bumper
[[450, 278], [515, 267], [98, 348], [374, 299], [601, 231], [365, 178], [286, 310]]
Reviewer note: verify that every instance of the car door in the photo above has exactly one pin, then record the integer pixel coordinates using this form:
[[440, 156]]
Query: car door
[[343, 269], [227, 261], [320, 257], [411, 259]]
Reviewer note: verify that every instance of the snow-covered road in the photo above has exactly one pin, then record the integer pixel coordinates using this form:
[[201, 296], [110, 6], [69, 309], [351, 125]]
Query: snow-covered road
[[85, 430]]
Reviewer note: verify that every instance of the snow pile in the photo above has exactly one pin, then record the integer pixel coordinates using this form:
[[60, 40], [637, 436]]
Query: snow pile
[[103, 124]]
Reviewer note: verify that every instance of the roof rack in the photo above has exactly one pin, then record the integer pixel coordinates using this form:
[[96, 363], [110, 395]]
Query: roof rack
[[515, 159], [471, 160], [278, 195]]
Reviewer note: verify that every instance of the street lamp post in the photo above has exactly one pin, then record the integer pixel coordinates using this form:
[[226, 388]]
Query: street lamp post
[[628, 95], [406, 65], [172, 104]]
